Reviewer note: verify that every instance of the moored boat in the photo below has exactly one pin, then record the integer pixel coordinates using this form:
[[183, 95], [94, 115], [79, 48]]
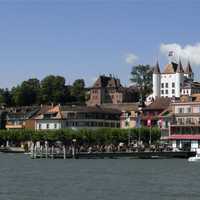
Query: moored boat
[[12, 150], [195, 158]]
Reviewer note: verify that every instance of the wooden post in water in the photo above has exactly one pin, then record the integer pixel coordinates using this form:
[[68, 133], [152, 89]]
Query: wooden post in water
[[35, 151], [64, 152], [32, 150], [74, 148], [46, 149], [41, 151], [52, 152]]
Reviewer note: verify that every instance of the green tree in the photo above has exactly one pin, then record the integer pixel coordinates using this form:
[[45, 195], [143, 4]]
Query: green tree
[[53, 89], [27, 93], [141, 76], [78, 91], [5, 97]]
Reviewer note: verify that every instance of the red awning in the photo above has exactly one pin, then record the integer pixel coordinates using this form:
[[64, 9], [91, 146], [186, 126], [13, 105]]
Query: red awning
[[183, 137]]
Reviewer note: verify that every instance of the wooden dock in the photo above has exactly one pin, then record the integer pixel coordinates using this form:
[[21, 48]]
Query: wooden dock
[[101, 155]]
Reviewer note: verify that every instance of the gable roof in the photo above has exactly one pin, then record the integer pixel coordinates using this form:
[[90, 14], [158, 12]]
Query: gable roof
[[160, 103], [170, 68], [107, 81]]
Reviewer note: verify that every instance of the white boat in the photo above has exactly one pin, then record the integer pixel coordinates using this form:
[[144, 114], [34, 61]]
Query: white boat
[[12, 150], [195, 158]]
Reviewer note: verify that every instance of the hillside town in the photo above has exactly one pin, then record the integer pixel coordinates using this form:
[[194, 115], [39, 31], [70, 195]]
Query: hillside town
[[173, 107]]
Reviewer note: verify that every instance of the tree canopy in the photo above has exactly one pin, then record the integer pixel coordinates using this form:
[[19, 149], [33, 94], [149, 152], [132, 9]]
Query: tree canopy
[[51, 89], [141, 76]]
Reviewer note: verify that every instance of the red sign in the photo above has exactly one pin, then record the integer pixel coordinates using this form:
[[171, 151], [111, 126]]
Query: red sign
[[149, 122]]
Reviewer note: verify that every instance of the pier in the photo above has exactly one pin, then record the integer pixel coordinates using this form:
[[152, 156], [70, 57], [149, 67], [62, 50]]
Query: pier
[[53, 153]]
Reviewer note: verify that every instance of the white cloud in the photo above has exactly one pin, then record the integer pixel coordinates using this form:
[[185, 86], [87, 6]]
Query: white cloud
[[185, 53], [131, 58]]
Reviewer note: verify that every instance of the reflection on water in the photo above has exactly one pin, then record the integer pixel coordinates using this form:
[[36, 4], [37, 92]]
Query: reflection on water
[[114, 179]]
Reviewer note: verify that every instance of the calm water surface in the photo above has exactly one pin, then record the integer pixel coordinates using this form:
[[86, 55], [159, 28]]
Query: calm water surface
[[108, 179]]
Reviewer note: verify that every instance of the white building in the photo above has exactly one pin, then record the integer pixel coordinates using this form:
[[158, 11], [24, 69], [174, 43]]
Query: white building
[[174, 81]]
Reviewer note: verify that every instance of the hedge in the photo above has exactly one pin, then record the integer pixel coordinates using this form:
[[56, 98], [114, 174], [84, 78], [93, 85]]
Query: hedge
[[90, 136]]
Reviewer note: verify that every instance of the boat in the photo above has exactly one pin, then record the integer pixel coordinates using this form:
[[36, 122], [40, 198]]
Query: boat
[[12, 150], [195, 158]]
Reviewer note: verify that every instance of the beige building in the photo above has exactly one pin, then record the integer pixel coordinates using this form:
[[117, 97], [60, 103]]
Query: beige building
[[182, 123]]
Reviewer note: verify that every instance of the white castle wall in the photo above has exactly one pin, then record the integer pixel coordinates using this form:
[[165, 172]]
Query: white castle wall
[[156, 85], [167, 85]]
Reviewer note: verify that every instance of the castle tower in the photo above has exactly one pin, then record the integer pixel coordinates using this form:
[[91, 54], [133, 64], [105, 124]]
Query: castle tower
[[179, 78], [188, 72], [156, 81]]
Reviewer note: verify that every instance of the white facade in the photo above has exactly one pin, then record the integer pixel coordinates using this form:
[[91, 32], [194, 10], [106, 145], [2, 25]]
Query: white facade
[[156, 85], [48, 124], [170, 83]]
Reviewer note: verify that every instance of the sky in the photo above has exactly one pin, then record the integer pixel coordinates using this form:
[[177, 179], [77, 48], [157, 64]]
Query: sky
[[87, 38]]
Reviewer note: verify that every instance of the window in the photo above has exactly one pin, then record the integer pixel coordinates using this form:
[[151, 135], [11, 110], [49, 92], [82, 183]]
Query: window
[[162, 91], [188, 120], [180, 121], [40, 126], [162, 85], [173, 84], [47, 126], [55, 126], [188, 110], [166, 85], [166, 91], [173, 91], [180, 110]]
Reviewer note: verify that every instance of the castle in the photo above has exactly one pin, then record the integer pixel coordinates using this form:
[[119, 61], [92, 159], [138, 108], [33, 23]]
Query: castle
[[174, 81], [108, 89]]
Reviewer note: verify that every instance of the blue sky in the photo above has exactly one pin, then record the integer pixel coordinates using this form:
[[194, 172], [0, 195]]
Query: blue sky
[[86, 38]]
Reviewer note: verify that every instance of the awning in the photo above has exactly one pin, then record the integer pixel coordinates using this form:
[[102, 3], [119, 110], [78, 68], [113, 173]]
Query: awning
[[182, 137]]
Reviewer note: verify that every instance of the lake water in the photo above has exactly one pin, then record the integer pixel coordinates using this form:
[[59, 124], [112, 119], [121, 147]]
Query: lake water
[[105, 179]]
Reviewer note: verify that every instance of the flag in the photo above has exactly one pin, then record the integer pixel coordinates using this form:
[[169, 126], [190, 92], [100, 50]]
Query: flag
[[171, 53], [138, 121]]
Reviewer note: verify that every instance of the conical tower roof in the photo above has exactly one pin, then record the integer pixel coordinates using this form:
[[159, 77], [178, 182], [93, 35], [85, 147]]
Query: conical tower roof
[[156, 69], [188, 69], [180, 68]]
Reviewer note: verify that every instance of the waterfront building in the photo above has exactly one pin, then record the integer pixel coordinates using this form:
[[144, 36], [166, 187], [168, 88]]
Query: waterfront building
[[129, 117], [108, 89], [150, 113], [23, 117], [182, 120], [78, 117], [174, 81]]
